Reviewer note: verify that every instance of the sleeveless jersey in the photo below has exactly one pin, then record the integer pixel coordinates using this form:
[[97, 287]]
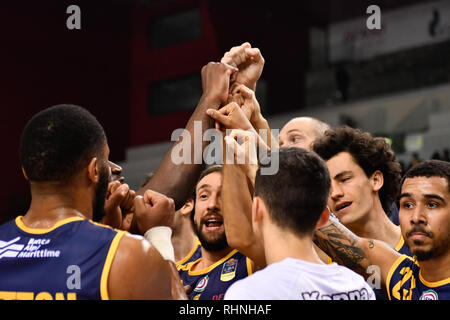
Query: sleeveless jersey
[[405, 282], [68, 261], [194, 254], [211, 283], [402, 248]]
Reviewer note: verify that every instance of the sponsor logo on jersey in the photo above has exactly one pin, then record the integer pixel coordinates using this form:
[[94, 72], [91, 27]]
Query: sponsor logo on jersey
[[32, 249], [429, 295], [201, 285], [10, 249], [229, 270]]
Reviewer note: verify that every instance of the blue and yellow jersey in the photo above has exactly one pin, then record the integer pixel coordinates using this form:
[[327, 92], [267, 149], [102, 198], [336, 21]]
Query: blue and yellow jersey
[[69, 261], [405, 282], [194, 254], [211, 283], [402, 248]]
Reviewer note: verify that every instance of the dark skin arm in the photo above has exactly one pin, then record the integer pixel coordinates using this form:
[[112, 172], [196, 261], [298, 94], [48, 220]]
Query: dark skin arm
[[356, 253], [177, 180], [138, 271]]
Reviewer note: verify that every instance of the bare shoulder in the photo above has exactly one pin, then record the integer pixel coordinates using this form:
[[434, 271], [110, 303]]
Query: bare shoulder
[[138, 271]]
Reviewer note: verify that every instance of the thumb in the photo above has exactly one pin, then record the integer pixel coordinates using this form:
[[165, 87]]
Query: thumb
[[216, 115]]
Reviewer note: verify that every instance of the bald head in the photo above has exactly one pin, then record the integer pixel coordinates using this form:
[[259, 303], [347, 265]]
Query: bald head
[[301, 132]]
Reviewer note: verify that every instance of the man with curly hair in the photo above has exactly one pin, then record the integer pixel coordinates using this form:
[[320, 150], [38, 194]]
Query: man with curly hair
[[365, 182]]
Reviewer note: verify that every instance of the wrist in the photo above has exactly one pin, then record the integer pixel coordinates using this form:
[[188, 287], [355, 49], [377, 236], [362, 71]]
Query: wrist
[[210, 101], [259, 122], [160, 237]]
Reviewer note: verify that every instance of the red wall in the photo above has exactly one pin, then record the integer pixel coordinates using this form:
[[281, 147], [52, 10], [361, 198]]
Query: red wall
[[44, 63], [153, 65], [107, 67]]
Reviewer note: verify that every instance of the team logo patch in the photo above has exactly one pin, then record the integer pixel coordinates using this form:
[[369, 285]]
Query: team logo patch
[[429, 295], [201, 285], [229, 270]]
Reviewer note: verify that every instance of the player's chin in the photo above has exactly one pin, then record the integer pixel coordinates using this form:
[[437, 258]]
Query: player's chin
[[422, 252]]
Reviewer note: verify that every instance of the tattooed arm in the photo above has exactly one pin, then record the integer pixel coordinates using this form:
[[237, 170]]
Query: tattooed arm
[[356, 253]]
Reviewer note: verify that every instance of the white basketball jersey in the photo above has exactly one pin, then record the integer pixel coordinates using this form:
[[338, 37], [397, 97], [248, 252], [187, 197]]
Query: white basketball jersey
[[293, 279]]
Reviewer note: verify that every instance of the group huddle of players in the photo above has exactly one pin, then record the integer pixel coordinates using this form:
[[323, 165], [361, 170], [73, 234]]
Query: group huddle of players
[[321, 226]]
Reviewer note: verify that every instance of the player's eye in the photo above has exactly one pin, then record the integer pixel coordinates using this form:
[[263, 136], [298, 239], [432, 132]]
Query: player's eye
[[432, 204], [407, 205]]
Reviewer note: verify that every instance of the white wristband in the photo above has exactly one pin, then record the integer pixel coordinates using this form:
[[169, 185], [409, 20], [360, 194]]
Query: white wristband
[[160, 238]]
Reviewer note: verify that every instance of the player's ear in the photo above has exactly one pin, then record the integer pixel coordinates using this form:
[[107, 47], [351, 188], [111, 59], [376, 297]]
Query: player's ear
[[93, 171], [257, 210], [187, 207], [377, 180], [323, 217]]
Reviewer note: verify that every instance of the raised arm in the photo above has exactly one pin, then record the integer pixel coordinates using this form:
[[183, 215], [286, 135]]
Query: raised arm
[[237, 207], [356, 253], [249, 61], [177, 180]]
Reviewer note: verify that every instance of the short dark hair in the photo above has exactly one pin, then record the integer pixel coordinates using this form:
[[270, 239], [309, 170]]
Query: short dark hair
[[297, 193], [370, 153], [428, 169], [58, 141]]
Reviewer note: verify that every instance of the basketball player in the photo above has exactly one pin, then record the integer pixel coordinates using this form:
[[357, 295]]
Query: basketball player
[[185, 243], [425, 225], [365, 182], [301, 132], [220, 265], [287, 207], [64, 156]]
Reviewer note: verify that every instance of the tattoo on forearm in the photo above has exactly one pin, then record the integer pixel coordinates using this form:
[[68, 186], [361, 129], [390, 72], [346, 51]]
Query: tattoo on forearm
[[341, 245]]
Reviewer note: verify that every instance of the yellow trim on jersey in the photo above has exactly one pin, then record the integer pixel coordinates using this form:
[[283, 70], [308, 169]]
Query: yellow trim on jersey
[[107, 266], [392, 270], [433, 284], [208, 269], [329, 260], [400, 243], [190, 254], [23, 227], [249, 266]]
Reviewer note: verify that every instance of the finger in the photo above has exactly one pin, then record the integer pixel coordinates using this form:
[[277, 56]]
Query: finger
[[246, 92], [117, 197], [112, 186], [230, 69], [238, 134], [128, 202], [139, 205], [238, 55], [231, 149], [152, 197], [254, 54], [219, 117]]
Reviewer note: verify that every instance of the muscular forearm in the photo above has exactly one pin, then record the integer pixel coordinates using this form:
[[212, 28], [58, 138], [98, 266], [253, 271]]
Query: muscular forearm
[[237, 213], [177, 180], [343, 246], [262, 128]]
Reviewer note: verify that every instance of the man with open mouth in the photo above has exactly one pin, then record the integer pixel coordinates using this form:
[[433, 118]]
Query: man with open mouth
[[208, 277]]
